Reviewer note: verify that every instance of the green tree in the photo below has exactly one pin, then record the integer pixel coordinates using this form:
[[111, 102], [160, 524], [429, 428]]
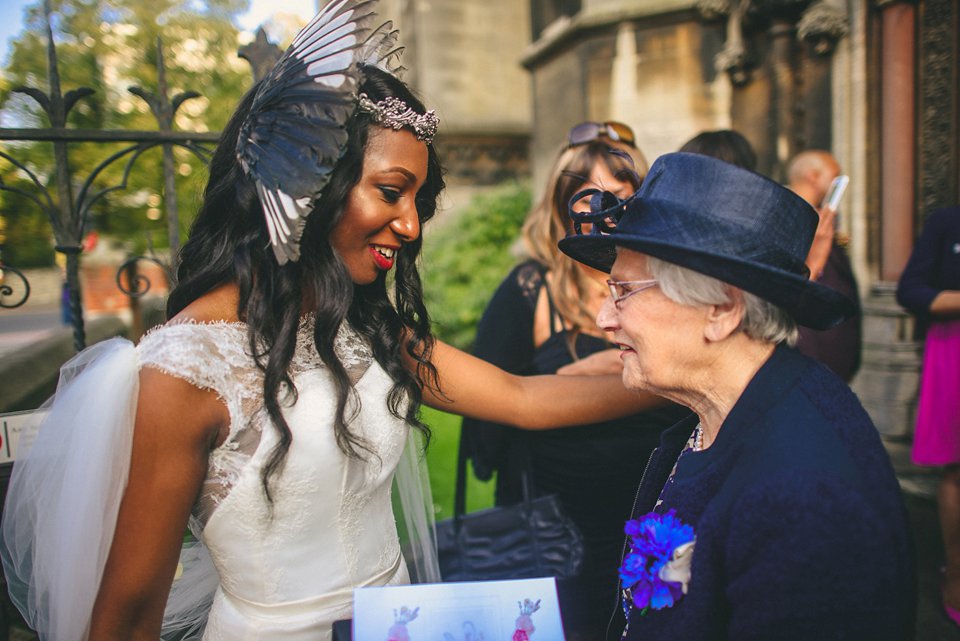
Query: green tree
[[108, 46]]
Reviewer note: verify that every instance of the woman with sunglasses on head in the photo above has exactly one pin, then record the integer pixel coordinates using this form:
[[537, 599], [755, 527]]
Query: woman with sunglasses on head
[[270, 414], [541, 319]]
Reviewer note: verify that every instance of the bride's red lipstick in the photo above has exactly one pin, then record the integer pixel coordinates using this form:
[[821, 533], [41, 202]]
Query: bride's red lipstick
[[382, 262]]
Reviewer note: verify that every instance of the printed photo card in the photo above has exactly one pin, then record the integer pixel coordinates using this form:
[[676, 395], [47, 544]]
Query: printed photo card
[[522, 610]]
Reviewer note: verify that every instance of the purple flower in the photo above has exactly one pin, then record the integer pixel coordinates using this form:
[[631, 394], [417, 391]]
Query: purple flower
[[653, 540]]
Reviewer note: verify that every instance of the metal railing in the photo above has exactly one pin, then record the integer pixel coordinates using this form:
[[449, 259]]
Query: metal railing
[[69, 215]]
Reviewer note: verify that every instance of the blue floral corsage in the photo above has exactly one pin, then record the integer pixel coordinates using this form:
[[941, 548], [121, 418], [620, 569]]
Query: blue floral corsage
[[656, 570]]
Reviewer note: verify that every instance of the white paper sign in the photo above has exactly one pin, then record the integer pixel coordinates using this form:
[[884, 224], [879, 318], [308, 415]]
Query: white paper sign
[[10, 426], [483, 611]]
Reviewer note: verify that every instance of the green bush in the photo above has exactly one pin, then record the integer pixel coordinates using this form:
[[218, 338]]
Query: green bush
[[467, 257]]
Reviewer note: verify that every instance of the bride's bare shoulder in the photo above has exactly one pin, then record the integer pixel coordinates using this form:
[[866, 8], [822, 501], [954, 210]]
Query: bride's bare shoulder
[[218, 305]]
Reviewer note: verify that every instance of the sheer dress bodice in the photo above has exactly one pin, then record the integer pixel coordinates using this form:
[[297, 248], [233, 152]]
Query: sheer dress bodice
[[287, 570]]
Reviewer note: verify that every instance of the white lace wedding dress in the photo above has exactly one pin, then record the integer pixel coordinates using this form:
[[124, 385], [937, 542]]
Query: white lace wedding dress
[[284, 574]]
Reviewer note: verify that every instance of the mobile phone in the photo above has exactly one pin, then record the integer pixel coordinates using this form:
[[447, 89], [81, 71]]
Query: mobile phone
[[835, 192]]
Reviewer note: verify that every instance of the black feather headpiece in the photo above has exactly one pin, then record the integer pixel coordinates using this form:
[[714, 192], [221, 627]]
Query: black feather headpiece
[[295, 131]]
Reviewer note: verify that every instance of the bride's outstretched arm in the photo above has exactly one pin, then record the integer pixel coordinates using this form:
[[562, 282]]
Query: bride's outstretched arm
[[176, 426], [472, 387]]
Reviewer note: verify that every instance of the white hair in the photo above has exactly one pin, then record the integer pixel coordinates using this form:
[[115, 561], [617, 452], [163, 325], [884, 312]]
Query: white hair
[[762, 320]]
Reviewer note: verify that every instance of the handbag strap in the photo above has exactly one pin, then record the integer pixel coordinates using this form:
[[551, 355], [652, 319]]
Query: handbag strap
[[460, 492]]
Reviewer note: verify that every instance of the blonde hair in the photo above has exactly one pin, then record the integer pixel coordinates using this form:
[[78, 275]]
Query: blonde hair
[[549, 221]]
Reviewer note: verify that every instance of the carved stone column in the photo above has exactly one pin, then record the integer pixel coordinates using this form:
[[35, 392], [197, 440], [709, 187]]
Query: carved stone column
[[820, 27], [890, 371], [897, 144], [887, 383], [786, 87], [778, 56]]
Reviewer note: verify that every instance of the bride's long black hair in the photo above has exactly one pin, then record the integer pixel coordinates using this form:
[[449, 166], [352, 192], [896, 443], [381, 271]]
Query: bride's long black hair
[[228, 243]]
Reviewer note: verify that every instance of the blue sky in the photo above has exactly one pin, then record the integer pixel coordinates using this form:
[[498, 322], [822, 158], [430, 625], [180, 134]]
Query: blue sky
[[11, 21], [11, 16]]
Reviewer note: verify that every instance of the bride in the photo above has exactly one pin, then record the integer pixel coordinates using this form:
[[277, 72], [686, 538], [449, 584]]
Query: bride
[[269, 415]]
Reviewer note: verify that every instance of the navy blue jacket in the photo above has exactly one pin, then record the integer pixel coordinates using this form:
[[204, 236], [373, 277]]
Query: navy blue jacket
[[801, 531], [934, 264]]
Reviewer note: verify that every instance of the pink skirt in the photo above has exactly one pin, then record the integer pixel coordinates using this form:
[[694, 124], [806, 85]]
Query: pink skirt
[[936, 440]]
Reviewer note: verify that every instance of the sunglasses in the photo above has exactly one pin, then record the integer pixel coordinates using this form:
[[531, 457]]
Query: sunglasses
[[589, 131]]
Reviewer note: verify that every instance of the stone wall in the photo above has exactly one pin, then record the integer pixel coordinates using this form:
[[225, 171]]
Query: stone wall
[[464, 60], [649, 65]]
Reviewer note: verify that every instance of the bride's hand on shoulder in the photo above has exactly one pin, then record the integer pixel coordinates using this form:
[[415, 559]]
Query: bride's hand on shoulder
[[603, 362]]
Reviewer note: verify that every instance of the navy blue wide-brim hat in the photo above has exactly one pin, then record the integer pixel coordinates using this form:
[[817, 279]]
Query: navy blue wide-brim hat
[[723, 221]]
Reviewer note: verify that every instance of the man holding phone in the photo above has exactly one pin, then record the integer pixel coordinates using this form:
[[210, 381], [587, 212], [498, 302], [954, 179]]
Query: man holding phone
[[815, 176]]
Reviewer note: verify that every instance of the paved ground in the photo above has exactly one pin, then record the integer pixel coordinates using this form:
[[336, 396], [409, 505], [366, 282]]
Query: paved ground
[[932, 623], [19, 327]]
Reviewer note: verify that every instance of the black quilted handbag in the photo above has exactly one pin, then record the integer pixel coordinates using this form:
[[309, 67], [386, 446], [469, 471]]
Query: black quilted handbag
[[533, 538]]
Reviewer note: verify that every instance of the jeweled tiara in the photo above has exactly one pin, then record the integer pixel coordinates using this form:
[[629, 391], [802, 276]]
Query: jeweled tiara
[[392, 112]]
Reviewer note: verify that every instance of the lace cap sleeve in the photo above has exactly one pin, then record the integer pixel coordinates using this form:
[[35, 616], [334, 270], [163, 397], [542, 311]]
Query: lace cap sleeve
[[208, 355]]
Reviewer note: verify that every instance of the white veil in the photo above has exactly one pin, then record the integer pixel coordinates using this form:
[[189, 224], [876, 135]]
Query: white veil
[[71, 470], [413, 509], [61, 510]]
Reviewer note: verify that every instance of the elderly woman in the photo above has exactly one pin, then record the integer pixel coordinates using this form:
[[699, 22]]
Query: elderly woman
[[773, 511]]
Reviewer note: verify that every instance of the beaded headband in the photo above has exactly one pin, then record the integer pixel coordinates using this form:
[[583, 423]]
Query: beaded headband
[[394, 113]]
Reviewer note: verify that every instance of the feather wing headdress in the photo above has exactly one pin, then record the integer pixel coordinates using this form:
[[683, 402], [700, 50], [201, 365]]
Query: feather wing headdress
[[294, 134]]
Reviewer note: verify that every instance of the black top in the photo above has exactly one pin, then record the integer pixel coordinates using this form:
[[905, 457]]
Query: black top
[[838, 347], [934, 265], [594, 469]]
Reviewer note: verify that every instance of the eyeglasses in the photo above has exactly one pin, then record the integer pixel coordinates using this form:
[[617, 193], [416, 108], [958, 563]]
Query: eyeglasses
[[620, 291], [589, 131]]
